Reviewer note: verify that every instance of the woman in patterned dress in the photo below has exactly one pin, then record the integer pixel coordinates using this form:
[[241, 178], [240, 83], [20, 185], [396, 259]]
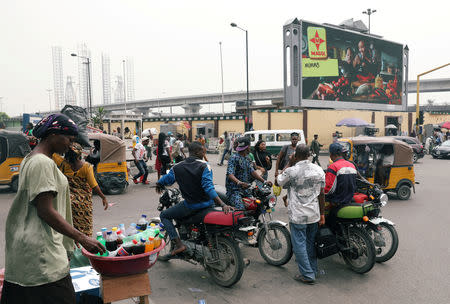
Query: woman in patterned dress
[[81, 179]]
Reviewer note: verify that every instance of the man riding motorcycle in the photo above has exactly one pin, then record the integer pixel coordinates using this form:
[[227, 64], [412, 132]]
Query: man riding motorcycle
[[195, 180], [340, 181]]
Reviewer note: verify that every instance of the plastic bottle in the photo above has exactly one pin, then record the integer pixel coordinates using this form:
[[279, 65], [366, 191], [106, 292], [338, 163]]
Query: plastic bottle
[[140, 247], [157, 240], [104, 230], [122, 228], [111, 241], [131, 230], [149, 244], [119, 238], [114, 230], [129, 247], [142, 223], [102, 241], [119, 252]]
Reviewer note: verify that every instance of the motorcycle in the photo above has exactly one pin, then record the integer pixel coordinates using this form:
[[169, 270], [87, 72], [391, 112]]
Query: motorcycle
[[347, 235], [381, 230], [272, 237], [209, 237]]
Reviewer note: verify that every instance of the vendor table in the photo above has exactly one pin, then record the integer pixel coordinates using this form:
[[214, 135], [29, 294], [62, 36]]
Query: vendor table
[[125, 287]]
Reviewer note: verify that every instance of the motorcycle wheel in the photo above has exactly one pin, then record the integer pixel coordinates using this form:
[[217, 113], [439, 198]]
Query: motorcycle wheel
[[230, 259], [164, 254], [279, 253], [362, 256], [391, 238]]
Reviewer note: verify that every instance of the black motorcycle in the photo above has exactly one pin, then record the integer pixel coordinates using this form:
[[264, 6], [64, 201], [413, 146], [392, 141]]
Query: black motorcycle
[[209, 236], [272, 238]]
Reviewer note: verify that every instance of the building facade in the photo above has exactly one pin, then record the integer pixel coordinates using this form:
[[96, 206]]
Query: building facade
[[58, 81], [106, 78]]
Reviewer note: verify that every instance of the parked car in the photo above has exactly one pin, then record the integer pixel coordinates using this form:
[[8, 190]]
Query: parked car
[[442, 151], [418, 151]]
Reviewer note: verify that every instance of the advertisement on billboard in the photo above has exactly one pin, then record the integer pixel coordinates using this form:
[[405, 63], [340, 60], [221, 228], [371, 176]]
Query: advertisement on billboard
[[348, 67]]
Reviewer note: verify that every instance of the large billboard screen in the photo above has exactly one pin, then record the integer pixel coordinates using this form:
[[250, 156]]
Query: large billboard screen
[[346, 69]]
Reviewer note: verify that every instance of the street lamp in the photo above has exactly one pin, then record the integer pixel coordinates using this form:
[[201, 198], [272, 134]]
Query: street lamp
[[369, 12], [247, 123], [89, 95]]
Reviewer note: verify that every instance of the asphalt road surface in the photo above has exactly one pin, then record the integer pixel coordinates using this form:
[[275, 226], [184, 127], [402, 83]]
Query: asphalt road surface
[[418, 273]]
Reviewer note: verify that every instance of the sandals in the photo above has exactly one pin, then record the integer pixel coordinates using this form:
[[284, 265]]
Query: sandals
[[300, 278]]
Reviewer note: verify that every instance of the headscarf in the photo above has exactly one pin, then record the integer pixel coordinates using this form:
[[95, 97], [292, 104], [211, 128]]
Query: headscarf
[[55, 124]]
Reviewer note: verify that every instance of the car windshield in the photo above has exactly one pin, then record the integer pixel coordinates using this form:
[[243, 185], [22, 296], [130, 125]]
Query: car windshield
[[446, 143]]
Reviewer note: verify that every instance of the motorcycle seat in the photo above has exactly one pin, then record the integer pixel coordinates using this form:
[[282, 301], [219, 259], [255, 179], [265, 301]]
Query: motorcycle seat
[[195, 218]]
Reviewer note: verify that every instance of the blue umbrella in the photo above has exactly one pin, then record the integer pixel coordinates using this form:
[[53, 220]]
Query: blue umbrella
[[352, 122]]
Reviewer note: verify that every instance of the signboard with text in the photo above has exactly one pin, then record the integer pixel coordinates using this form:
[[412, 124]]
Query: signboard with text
[[338, 68]]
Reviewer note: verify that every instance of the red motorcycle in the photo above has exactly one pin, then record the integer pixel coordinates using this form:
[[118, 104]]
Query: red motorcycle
[[209, 236]]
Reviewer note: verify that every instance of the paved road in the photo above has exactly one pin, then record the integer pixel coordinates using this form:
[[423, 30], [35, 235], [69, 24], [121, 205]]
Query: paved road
[[418, 273]]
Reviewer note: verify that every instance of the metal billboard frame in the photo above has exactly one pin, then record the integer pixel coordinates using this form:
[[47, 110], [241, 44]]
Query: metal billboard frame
[[293, 89]]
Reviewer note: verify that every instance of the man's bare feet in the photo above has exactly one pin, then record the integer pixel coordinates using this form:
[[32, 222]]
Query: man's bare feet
[[179, 247]]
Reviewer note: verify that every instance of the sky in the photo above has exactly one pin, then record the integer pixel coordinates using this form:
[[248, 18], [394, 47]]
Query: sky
[[175, 44]]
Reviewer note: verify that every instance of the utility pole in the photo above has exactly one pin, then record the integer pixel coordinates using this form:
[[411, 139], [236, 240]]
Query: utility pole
[[369, 12], [221, 75], [124, 87], [49, 99]]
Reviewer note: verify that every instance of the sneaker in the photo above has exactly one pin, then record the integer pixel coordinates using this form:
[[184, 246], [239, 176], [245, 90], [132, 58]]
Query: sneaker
[[146, 182], [135, 181]]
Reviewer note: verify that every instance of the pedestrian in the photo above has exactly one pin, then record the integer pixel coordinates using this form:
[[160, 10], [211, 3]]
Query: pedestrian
[[139, 154], [263, 160], [227, 150], [82, 182], [305, 184], [148, 147], [177, 150], [202, 140], [285, 153], [39, 233], [163, 153], [315, 149]]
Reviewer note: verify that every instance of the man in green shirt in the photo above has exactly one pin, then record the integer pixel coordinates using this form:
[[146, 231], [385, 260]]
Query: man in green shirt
[[315, 149]]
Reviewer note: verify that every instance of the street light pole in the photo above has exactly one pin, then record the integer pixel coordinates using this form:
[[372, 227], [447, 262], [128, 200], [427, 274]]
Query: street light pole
[[89, 92], [221, 74], [49, 99], [369, 12], [124, 87], [247, 123]]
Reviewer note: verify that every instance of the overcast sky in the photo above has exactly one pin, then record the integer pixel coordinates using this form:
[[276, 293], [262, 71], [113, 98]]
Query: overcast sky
[[175, 44]]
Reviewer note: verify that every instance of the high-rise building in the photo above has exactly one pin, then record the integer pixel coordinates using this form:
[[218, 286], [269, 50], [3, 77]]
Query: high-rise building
[[71, 98], [58, 81], [106, 78], [83, 72], [129, 79], [118, 92]]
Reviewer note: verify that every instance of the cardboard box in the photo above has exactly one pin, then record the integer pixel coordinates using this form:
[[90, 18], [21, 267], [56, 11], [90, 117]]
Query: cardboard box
[[85, 280]]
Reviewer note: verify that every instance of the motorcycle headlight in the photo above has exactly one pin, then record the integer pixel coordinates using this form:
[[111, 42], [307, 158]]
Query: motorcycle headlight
[[272, 201], [383, 199]]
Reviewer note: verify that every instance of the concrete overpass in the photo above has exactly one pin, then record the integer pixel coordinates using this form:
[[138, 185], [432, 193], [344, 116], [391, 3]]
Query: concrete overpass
[[276, 95]]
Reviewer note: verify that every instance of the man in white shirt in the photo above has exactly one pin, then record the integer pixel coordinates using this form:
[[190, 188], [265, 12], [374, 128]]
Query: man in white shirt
[[305, 183], [178, 152], [140, 157]]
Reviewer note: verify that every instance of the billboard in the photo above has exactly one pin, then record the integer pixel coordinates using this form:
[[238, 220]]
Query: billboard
[[339, 68]]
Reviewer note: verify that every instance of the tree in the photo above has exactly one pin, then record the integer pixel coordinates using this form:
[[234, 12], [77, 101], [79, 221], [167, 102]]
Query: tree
[[98, 117], [3, 116]]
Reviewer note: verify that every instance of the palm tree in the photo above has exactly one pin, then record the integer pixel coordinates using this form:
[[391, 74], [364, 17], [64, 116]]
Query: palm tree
[[98, 117]]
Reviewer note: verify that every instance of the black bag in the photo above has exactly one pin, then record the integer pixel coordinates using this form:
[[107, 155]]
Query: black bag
[[81, 118], [326, 243]]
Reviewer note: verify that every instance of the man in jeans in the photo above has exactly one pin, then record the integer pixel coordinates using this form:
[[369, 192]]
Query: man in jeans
[[306, 200], [139, 154], [227, 147]]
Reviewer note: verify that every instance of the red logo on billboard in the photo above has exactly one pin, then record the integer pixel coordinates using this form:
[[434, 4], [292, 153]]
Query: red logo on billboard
[[317, 40]]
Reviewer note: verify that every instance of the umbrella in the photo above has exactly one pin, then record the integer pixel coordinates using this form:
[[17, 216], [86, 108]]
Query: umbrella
[[445, 125], [391, 126], [352, 122]]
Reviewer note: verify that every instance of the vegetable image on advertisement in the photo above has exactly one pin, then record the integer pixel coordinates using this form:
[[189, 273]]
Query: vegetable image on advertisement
[[341, 65]]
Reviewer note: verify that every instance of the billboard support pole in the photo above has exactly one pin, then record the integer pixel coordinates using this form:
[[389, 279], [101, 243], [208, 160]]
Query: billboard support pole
[[417, 93]]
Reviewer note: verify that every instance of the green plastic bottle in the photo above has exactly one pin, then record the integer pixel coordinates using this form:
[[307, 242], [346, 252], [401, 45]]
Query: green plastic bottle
[[103, 242]]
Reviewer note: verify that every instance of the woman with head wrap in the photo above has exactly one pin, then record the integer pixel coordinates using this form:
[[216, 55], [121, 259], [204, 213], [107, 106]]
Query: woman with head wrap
[[81, 179], [39, 232]]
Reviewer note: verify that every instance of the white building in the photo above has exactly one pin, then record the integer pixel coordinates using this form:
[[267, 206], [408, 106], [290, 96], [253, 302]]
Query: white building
[[83, 72], [71, 98], [129, 79], [58, 81], [118, 92], [106, 78]]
